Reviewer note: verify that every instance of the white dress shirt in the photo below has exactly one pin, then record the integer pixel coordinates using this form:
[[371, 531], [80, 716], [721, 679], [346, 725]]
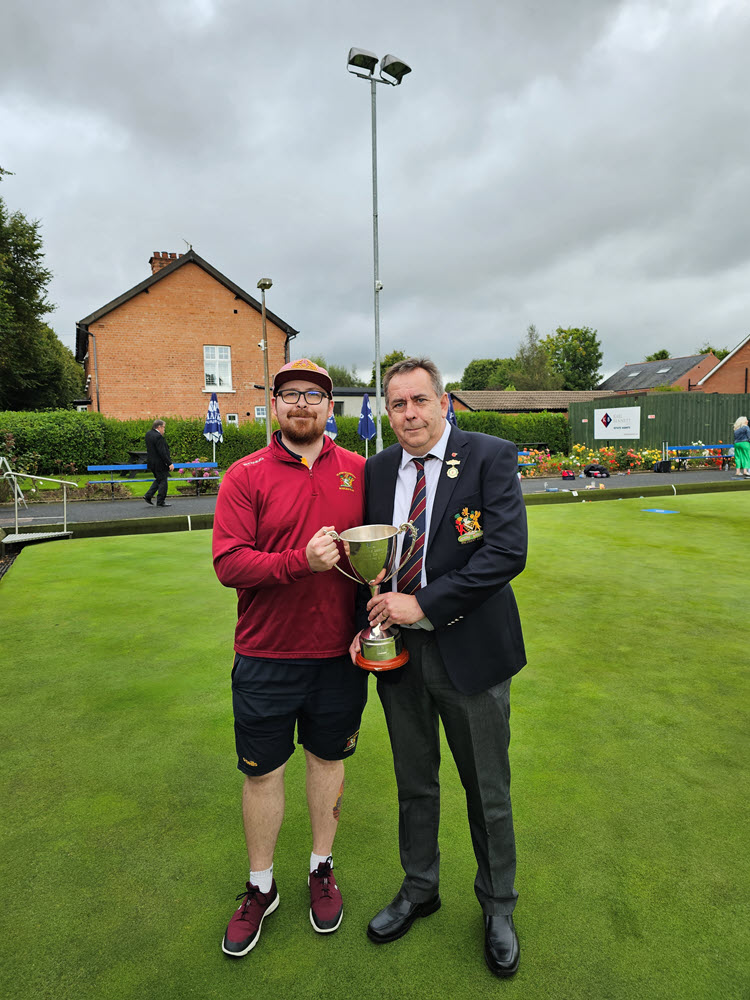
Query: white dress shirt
[[405, 483]]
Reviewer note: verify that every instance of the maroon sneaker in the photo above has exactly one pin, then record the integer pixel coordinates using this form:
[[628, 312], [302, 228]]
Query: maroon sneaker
[[243, 931], [326, 908]]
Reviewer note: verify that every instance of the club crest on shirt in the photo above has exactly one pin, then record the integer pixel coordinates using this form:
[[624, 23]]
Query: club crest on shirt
[[351, 742], [346, 481], [467, 525]]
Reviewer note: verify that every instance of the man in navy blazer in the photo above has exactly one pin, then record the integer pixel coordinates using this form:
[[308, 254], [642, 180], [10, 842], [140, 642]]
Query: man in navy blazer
[[461, 627]]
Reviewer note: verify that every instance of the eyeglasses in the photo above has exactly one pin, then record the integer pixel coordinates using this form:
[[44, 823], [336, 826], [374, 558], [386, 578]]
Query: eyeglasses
[[313, 397]]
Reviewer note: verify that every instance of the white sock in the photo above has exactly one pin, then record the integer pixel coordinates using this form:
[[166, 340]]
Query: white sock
[[262, 879], [319, 859]]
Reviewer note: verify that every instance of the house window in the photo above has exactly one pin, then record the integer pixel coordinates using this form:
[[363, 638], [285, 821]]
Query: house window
[[662, 371], [217, 367], [82, 409], [338, 409], [633, 374], [233, 418], [260, 413]]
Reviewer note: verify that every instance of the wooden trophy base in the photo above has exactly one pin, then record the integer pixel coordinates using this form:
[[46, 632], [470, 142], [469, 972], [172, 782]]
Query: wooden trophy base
[[379, 666]]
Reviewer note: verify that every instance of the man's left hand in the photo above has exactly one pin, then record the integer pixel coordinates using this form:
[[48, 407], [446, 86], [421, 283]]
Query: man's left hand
[[394, 609]]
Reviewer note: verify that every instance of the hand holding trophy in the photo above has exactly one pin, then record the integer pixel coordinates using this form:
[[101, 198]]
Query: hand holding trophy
[[372, 555]]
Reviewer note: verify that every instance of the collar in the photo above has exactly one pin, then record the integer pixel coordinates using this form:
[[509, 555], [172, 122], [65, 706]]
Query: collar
[[437, 451]]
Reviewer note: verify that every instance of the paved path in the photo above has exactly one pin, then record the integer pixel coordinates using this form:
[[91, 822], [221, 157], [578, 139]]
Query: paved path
[[115, 510]]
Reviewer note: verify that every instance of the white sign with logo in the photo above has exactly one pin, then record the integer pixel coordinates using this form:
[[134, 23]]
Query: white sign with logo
[[617, 422]]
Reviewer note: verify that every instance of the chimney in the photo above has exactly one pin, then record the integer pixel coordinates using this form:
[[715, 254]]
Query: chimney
[[161, 259]]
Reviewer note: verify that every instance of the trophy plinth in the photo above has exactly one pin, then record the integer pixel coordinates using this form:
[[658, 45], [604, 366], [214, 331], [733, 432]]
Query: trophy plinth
[[372, 555]]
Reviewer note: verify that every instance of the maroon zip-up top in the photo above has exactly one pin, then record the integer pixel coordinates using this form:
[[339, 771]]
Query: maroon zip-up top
[[269, 506]]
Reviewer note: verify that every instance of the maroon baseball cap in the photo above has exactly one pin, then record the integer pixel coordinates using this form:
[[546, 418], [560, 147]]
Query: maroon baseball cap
[[306, 370]]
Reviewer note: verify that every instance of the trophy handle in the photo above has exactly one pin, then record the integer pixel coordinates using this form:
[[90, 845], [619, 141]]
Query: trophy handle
[[408, 526], [338, 538]]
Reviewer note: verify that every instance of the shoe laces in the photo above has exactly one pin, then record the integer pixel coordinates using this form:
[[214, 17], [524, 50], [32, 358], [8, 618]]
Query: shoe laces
[[323, 874], [249, 896]]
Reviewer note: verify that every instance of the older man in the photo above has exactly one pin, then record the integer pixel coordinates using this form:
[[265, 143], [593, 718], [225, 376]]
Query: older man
[[461, 628], [296, 615]]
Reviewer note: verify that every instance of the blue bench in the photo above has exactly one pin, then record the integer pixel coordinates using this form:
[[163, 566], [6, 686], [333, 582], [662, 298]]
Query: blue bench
[[142, 468], [682, 460]]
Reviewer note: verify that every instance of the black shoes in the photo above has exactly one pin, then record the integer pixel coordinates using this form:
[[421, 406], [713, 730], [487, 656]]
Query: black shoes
[[163, 504], [396, 919], [147, 499], [501, 949]]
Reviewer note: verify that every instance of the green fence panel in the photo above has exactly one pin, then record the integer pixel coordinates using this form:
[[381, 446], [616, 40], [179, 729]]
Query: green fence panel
[[678, 418]]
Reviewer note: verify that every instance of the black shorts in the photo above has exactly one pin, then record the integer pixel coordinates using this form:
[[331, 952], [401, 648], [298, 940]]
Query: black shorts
[[323, 698]]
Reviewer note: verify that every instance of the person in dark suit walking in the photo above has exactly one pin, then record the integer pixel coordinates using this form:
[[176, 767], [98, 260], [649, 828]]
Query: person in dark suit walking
[[460, 625], [159, 463]]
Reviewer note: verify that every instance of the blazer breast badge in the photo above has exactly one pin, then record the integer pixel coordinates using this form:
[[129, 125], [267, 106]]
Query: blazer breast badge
[[467, 525]]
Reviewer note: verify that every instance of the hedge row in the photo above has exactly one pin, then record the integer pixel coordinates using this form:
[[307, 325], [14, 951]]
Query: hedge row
[[61, 442]]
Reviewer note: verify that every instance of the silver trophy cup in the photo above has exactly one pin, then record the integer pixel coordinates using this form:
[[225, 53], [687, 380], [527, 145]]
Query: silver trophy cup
[[372, 555]]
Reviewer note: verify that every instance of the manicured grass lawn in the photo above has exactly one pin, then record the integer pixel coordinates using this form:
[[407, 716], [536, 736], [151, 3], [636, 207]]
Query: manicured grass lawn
[[122, 848]]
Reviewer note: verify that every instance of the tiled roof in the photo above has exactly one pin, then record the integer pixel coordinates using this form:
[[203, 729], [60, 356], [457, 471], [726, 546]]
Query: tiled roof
[[647, 374], [515, 402]]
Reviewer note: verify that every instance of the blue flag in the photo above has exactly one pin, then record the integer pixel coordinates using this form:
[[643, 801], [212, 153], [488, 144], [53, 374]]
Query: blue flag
[[331, 428], [451, 417], [366, 425]]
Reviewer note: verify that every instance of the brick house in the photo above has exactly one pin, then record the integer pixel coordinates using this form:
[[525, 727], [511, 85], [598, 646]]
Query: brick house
[[686, 373], [732, 373], [161, 348]]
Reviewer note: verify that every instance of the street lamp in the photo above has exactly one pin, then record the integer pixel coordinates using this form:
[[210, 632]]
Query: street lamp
[[263, 284], [392, 71]]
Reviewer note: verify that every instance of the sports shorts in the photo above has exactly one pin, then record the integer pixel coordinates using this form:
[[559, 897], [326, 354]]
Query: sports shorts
[[324, 699]]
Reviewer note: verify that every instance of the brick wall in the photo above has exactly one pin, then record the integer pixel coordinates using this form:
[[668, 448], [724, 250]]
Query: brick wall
[[150, 349], [733, 376], [696, 374]]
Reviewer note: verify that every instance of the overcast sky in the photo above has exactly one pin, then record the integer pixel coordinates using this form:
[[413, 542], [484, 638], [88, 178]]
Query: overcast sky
[[556, 162]]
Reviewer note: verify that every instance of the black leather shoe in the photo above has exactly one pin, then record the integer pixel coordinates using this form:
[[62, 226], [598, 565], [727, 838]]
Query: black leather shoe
[[164, 505], [147, 499], [501, 949], [396, 919]]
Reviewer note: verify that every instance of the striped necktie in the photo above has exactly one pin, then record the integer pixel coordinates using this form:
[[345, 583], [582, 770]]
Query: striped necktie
[[410, 575]]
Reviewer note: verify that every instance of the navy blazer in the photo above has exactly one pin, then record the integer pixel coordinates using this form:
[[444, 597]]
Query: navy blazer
[[468, 597]]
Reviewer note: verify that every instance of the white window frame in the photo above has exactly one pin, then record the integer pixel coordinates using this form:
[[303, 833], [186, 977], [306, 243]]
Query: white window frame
[[217, 368], [260, 413], [233, 419]]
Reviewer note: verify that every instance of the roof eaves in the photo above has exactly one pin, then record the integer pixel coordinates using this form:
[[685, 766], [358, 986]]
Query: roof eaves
[[727, 358]]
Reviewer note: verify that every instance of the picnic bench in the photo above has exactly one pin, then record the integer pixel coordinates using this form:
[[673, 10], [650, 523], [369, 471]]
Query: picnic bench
[[132, 469]]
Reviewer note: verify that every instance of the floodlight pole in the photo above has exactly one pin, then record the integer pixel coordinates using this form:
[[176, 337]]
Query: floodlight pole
[[376, 267], [362, 64]]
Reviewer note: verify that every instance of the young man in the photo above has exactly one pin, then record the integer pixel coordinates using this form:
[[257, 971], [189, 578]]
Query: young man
[[295, 618], [461, 628], [159, 463]]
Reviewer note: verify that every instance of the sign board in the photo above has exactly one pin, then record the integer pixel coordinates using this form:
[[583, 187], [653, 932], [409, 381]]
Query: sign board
[[617, 422]]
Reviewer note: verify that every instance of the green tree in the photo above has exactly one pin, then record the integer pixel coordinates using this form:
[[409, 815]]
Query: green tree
[[477, 373], [385, 364], [661, 355], [531, 365], [36, 370], [719, 352], [575, 354], [502, 375], [340, 375]]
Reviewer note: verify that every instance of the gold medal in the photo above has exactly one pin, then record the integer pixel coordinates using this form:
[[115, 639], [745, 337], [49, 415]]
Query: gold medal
[[452, 473]]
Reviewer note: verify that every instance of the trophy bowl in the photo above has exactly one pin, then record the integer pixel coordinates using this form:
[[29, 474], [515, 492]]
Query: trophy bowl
[[371, 550]]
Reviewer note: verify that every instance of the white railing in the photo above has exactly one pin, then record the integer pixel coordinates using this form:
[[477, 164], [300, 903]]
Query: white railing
[[13, 478]]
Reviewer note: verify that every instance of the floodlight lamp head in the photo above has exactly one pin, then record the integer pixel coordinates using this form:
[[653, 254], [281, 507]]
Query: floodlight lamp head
[[393, 69], [361, 61], [265, 284]]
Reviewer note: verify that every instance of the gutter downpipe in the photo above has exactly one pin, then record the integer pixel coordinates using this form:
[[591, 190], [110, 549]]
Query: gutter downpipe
[[96, 367]]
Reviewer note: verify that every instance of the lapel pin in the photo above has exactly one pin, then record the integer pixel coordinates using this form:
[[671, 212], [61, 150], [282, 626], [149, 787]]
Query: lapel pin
[[452, 472]]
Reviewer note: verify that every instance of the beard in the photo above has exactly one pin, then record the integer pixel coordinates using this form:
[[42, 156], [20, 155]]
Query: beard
[[301, 431]]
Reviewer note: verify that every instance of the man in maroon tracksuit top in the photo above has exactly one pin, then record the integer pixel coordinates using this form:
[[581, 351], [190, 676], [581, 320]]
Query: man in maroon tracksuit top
[[295, 619]]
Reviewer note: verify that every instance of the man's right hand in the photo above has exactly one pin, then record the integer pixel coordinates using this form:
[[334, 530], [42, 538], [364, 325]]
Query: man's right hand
[[322, 551]]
